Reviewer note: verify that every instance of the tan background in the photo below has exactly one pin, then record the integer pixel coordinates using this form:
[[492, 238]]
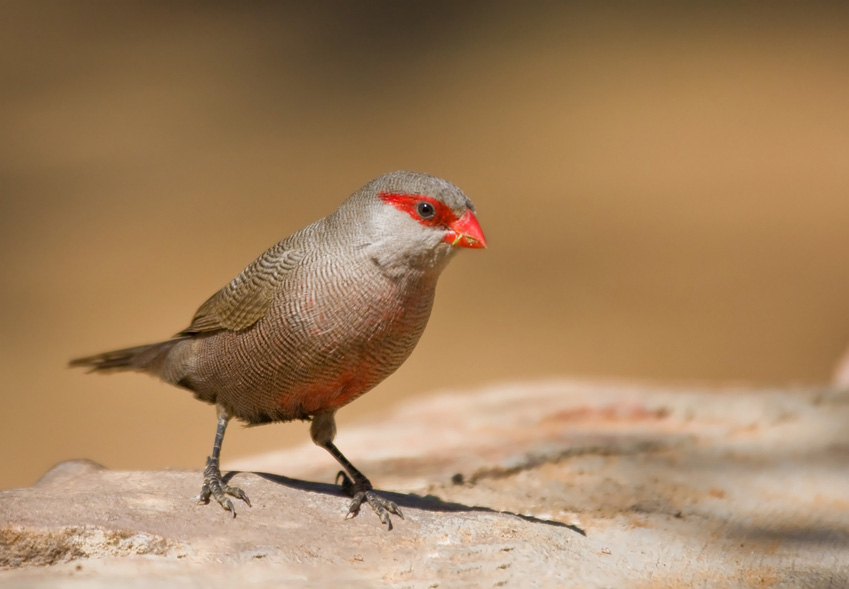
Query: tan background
[[665, 192]]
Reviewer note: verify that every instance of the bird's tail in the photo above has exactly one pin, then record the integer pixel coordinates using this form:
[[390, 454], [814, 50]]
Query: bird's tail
[[136, 358]]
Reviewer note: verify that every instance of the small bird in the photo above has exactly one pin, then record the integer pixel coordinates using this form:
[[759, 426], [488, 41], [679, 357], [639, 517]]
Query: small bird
[[317, 320]]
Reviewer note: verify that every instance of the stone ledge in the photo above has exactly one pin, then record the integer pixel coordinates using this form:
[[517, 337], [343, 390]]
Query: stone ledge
[[537, 484]]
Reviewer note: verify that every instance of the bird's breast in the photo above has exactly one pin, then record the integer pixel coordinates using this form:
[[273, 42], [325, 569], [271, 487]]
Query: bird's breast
[[318, 348], [347, 343]]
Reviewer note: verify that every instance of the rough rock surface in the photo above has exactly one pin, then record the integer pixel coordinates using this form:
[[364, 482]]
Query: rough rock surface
[[560, 484]]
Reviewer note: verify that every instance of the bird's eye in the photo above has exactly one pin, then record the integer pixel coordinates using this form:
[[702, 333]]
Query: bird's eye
[[425, 210]]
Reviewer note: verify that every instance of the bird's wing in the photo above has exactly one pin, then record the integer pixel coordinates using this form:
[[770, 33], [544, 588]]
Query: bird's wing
[[246, 299]]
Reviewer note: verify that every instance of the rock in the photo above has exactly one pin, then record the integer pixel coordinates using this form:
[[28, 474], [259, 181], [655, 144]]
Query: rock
[[549, 484], [840, 379]]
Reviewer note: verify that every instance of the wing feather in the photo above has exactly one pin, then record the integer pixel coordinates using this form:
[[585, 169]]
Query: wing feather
[[247, 298]]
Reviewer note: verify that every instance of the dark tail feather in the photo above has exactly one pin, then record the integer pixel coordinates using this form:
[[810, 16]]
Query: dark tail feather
[[136, 358]]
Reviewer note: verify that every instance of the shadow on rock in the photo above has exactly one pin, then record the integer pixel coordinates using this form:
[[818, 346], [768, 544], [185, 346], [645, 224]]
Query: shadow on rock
[[425, 503]]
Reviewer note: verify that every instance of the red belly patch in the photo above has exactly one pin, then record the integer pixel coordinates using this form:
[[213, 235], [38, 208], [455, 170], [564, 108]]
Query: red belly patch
[[332, 394]]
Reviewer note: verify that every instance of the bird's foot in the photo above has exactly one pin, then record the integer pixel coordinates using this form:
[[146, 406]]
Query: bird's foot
[[362, 492], [214, 486]]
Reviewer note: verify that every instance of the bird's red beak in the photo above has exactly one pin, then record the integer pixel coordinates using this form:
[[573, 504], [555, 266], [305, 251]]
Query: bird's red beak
[[466, 232]]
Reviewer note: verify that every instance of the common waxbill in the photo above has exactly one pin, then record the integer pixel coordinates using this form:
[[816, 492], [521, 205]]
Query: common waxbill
[[317, 320]]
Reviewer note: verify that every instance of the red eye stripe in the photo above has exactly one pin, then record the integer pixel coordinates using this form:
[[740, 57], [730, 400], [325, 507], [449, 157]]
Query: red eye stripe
[[443, 215]]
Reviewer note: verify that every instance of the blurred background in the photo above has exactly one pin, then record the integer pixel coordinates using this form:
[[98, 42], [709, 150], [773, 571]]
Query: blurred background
[[664, 188]]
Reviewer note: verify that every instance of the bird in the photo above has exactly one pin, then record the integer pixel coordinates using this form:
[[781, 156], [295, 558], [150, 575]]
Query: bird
[[317, 320]]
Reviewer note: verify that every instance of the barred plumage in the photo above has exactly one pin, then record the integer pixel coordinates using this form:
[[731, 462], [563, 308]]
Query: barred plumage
[[317, 320]]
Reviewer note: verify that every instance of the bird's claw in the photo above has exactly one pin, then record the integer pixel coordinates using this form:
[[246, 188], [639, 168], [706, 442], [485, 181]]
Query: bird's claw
[[214, 486], [362, 492]]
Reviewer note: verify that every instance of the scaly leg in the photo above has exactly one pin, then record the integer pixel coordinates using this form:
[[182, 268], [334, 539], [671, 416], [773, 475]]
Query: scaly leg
[[213, 483], [323, 430]]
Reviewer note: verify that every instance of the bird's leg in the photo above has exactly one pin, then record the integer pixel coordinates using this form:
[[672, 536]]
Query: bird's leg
[[359, 487], [323, 430], [213, 483]]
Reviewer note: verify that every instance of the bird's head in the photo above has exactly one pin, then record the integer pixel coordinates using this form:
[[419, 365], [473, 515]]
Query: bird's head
[[406, 221], [420, 220], [416, 218]]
